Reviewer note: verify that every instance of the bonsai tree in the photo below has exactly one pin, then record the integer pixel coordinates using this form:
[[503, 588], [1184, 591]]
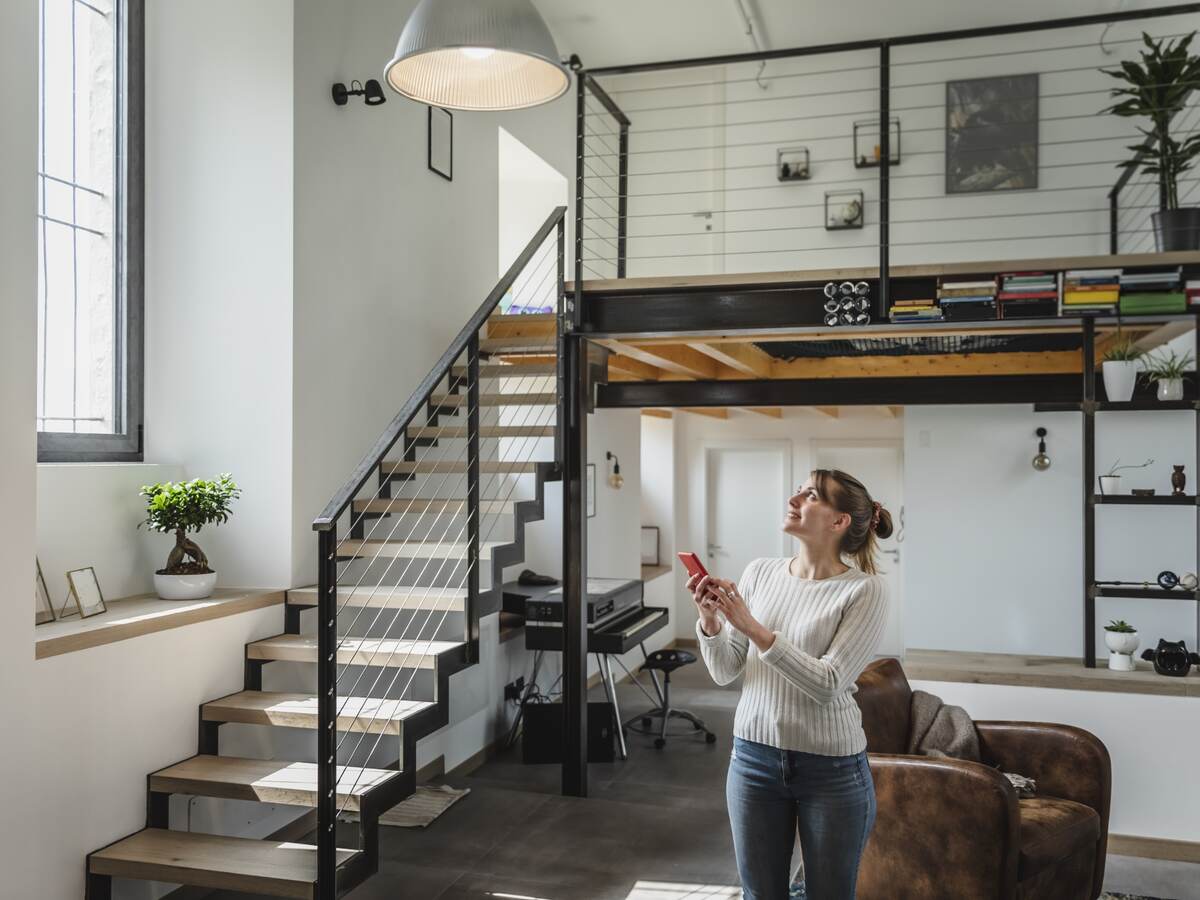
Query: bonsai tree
[[188, 506], [1120, 626], [1156, 89]]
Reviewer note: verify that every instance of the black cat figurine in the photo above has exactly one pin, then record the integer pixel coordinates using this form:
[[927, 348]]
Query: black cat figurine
[[1172, 658]]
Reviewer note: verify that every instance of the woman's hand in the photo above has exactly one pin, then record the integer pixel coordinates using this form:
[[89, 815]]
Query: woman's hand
[[700, 587], [730, 603]]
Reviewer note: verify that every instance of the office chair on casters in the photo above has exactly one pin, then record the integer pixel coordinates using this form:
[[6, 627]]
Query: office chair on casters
[[667, 661]]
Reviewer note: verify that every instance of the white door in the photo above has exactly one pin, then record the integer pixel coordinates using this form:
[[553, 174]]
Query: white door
[[879, 466], [746, 498]]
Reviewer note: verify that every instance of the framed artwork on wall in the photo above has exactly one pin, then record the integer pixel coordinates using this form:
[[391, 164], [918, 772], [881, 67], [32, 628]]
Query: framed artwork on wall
[[650, 545], [590, 501], [84, 592], [992, 134], [441, 142], [43, 605]]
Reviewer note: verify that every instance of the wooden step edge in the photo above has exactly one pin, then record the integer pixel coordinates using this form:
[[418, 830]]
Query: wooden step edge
[[376, 652], [414, 549], [287, 710], [531, 398], [437, 467], [274, 868], [389, 597], [485, 431], [264, 781], [400, 506]]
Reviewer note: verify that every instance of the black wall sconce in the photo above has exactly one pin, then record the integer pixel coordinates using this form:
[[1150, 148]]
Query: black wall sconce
[[371, 93], [615, 479], [1041, 462]]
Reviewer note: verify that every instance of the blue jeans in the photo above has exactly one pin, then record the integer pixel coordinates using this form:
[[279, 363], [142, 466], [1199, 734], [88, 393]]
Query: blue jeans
[[772, 794]]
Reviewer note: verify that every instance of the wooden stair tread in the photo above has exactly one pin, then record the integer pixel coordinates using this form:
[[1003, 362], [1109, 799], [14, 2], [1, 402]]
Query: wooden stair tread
[[535, 343], [414, 549], [400, 506], [539, 398], [389, 597], [511, 370], [277, 869], [383, 652], [485, 431], [450, 467], [369, 714], [264, 780]]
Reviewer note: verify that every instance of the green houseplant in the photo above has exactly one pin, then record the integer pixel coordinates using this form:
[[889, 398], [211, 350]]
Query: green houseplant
[[180, 508], [1122, 641], [1120, 369], [1168, 371], [1156, 88]]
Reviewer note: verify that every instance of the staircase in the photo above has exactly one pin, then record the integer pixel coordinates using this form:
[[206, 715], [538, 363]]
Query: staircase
[[412, 552]]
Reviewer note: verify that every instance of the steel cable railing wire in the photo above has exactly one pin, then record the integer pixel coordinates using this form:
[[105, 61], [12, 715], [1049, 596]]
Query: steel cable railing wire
[[428, 643], [440, 488], [383, 483]]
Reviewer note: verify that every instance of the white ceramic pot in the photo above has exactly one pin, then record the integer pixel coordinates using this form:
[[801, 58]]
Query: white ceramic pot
[[1110, 485], [185, 587], [1121, 645], [1170, 389], [1120, 376]]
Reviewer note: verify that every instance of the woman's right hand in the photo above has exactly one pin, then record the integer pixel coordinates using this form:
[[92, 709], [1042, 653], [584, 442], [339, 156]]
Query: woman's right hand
[[710, 621]]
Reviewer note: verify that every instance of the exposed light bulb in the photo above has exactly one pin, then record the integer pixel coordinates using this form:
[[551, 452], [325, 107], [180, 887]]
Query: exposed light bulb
[[616, 480], [477, 52], [1041, 462]]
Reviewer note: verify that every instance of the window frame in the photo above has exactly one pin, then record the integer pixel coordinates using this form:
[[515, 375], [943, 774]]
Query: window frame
[[126, 444]]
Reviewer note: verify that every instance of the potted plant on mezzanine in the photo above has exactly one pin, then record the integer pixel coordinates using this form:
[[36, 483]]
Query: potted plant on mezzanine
[[180, 508], [1120, 370], [1157, 88], [1168, 371]]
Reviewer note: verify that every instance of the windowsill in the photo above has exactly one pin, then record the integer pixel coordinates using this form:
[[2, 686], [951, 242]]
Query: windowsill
[[649, 573], [132, 617], [1065, 673]]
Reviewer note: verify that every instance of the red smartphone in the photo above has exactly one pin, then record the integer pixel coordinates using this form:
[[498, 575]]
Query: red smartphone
[[692, 563]]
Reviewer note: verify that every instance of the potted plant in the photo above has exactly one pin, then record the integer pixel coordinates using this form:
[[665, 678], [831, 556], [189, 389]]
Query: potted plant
[[1168, 371], [1120, 370], [179, 508], [1122, 640], [1110, 484], [1157, 88]]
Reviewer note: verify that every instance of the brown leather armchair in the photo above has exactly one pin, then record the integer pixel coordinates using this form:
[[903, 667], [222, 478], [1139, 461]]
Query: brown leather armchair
[[950, 829]]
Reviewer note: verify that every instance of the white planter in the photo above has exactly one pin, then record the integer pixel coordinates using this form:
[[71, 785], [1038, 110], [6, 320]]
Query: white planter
[[1110, 485], [1170, 389], [185, 587], [1120, 376], [1121, 645]]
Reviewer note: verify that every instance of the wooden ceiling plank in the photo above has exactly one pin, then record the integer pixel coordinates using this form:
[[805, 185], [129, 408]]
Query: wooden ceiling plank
[[635, 369], [745, 358], [1056, 362], [829, 412], [676, 358], [774, 412], [713, 412], [657, 413]]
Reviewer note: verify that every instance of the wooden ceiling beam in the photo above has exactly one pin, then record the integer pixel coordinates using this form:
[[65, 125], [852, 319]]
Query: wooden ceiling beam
[[1155, 338], [745, 358], [713, 412], [829, 412], [634, 369], [678, 359], [657, 413], [774, 412], [1057, 362]]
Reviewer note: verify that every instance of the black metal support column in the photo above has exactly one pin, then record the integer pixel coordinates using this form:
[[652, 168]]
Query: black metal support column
[[885, 171], [1089, 493], [562, 325], [1113, 233], [622, 197], [574, 304], [471, 626], [327, 714], [574, 567]]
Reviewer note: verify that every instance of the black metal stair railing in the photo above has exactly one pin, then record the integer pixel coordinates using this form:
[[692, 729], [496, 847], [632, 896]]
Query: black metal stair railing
[[414, 546]]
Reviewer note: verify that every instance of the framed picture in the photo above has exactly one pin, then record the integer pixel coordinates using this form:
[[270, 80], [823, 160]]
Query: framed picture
[[992, 134], [43, 605], [649, 545], [590, 500], [441, 142], [85, 593]]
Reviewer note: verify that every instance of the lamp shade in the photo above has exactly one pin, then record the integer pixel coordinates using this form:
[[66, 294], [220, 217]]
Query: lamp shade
[[477, 55]]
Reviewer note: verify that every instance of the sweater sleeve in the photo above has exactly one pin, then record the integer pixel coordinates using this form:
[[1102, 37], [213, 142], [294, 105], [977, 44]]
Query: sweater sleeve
[[724, 653], [852, 647]]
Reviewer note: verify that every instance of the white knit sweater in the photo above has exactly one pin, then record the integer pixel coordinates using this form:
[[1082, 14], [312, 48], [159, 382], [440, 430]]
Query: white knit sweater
[[798, 695]]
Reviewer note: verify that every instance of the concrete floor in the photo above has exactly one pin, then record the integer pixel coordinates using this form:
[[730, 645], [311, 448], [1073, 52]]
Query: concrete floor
[[653, 828]]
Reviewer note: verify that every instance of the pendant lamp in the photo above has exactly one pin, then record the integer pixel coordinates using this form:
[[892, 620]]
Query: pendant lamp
[[477, 55]]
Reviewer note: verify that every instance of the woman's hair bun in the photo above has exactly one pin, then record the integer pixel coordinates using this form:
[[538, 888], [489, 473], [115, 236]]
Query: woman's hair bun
[[883, 527]]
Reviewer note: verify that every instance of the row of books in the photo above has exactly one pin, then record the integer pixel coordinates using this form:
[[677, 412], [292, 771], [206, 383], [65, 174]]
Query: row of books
[[1030, 295]]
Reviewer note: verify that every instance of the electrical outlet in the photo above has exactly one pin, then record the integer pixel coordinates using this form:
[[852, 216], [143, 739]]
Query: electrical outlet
[[514, 689]]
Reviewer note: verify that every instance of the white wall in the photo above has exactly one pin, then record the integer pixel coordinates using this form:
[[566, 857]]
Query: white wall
[[20, 844], [219, 266], [995, 549], [529, 189]]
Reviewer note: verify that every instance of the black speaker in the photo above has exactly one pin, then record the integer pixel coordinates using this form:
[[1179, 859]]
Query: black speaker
[[542, 738]]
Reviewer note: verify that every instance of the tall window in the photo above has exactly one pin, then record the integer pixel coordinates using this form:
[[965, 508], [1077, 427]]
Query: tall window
[[89, 180]]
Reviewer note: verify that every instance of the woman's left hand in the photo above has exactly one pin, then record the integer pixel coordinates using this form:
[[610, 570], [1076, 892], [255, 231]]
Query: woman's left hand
[[732, 606]]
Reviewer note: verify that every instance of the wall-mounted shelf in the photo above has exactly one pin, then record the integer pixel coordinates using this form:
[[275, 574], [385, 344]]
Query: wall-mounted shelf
[[1131, 406], [1145, 593], [1156, 500]]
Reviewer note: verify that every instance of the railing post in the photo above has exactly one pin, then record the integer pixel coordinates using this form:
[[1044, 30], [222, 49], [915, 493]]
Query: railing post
[[327, 713], [1089, 489], [885, 170], [474, 517], [561, 326], [1113, 238], [575, 304], [622, 197]]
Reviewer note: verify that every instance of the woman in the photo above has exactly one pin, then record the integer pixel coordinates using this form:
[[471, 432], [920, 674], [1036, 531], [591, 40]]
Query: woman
[[802, 630]]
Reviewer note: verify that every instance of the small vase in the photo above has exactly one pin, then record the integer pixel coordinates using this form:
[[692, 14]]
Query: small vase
[[1178, 481], [1170, 389], [1121, 646], [1120, 376], [1110, 485]]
